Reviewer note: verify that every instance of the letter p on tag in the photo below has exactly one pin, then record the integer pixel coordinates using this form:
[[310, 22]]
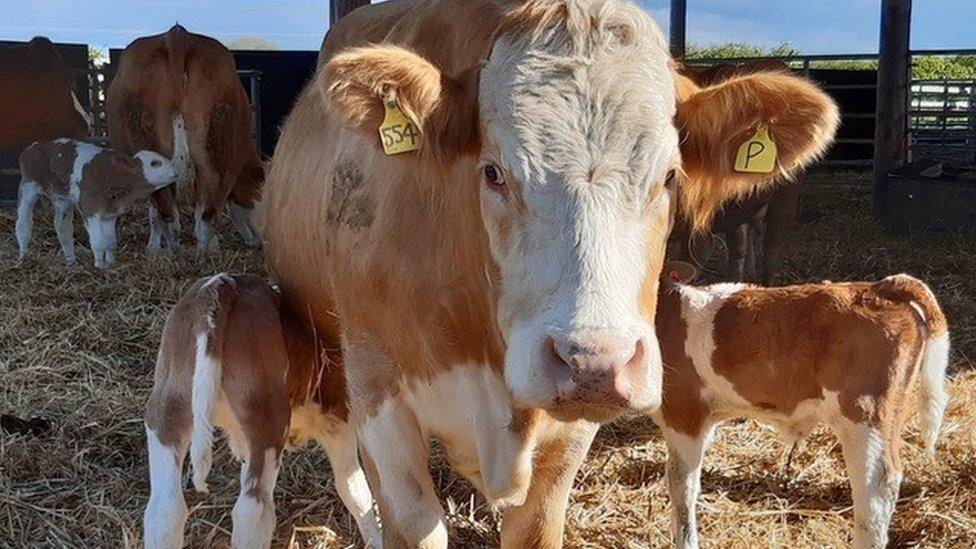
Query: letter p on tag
[[757, 154], [398, 133]]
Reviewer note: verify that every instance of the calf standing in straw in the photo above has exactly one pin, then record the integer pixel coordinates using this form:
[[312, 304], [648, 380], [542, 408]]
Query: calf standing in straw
[[232, 356], [846, 354], [101, 183]]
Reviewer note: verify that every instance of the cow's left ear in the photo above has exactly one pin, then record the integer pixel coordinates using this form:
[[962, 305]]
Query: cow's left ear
[[358, 81], [716, 121]]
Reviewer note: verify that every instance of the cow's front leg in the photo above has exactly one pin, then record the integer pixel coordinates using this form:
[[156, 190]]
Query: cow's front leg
[[393, 440], [685, 454], [539, 522]]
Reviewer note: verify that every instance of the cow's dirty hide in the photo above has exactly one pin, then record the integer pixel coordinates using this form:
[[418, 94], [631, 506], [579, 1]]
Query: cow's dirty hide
[[349, 205]]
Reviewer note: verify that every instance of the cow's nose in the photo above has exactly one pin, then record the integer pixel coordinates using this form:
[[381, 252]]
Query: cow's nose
[[598, 369]]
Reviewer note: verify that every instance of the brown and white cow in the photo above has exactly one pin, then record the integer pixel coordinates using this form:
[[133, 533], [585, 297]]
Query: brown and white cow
[[37, 98], [845, 354], [232, 357], [178, 93], [101, 183], [762, 221], [496, 289]]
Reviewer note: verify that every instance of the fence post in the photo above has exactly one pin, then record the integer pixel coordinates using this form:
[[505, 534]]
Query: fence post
[[892, 99], [679, 14]]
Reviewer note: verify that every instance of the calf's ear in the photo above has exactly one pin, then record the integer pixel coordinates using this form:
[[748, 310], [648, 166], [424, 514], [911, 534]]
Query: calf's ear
[[357, 82], [716, 121]]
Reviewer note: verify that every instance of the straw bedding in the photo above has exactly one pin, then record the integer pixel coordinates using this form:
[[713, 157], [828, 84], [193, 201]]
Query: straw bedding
[[77, 348]]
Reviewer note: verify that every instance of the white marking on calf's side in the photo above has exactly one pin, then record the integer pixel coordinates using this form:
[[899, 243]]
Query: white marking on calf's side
[[206, 384], [698, 309], [84, 152], [166, 513]]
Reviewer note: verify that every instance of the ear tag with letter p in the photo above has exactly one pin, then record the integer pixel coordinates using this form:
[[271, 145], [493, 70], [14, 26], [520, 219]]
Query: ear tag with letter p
[[398, 133], [758, 153]]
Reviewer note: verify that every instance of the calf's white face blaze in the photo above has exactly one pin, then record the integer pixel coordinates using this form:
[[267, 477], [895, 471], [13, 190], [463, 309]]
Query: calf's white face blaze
[[577, 141]]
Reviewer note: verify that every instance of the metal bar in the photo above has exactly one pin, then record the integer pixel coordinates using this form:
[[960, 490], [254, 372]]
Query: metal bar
[[679, 14], [255, 81]]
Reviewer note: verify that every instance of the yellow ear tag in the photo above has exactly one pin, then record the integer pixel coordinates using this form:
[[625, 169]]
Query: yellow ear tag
[[398, 133], [757, 154]]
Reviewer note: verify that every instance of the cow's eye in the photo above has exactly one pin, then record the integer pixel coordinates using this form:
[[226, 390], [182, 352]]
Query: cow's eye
[[493, 176], [156, 163], [669, 180]]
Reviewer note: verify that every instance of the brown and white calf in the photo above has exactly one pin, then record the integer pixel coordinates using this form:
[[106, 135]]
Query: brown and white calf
[[844, 354], [101, 183], [231, 357]]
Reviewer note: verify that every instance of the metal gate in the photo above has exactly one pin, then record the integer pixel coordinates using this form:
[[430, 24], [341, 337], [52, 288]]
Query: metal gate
[[942, 120]]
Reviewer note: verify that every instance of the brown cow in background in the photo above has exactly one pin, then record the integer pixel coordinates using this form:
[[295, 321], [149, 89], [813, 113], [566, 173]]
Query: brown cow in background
[[37, 98], [763, 220], [178, 93]]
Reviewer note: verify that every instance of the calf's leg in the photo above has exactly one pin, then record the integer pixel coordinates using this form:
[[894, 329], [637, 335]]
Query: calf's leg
[[164, 221], [240, 216], [875, 476], [165, 517], [64, 222], [254, 513], [101, 238], [342, 448], [28, 194], [683, 471]]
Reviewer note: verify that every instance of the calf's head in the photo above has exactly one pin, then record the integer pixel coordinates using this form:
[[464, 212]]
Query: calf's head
[[577, 143]]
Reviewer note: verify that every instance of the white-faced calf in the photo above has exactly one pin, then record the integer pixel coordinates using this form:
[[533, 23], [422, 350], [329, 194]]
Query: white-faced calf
[[101, 183], [846, 354], [233, 357]]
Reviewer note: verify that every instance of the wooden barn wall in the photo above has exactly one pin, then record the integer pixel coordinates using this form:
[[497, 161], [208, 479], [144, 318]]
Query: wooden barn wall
[[76, 57]]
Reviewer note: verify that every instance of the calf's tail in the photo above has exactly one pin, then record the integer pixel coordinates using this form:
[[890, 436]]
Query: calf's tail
[[935, 358], [207, 374]]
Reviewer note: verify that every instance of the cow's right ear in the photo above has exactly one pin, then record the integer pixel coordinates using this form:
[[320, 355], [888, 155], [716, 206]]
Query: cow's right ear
[[357, 81]]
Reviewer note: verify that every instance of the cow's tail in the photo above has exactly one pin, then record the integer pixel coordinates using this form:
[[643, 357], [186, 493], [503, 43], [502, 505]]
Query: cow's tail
[[207, 374], [176, 41], [935, 358]]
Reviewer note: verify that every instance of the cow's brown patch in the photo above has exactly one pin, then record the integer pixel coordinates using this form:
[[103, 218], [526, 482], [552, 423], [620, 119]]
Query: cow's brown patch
[[112, 182], [50, 164]]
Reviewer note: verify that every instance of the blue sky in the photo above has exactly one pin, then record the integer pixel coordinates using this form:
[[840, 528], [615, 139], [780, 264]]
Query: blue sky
[[814, 26]]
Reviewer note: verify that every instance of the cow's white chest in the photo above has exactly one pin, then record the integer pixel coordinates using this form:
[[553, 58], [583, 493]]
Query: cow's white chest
[[468, 409]]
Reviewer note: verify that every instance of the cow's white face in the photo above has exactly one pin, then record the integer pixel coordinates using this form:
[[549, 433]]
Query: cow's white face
[[577, 144]]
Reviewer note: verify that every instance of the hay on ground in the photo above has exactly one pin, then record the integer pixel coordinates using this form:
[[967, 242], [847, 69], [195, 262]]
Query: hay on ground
[[77, 347]]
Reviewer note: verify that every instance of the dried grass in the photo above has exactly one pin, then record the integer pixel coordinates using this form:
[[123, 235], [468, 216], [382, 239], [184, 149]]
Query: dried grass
[[78, 346]]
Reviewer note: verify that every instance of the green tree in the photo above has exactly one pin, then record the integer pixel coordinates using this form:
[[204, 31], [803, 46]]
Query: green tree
[[739, 49], [251, 43]]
